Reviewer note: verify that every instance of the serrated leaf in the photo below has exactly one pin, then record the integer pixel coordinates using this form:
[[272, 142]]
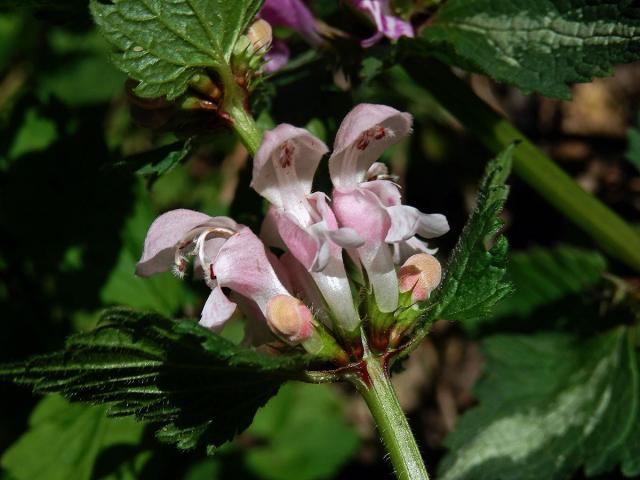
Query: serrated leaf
[[163, 44], [549, 404], [64, 440], [541, 276], [474, 275], [200, 387], [542, 46]]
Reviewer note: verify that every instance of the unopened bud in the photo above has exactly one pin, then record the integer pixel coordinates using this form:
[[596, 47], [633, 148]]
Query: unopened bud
[[260, 35], [250, 48], [420, 274], [289, 318]]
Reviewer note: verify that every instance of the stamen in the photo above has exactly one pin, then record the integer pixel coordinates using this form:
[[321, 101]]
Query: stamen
[[179, 268], [179, 260]]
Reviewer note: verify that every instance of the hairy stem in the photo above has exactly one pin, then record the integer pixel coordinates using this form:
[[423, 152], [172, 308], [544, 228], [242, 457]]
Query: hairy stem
[[374, 385], [234, 105], [608, 229]]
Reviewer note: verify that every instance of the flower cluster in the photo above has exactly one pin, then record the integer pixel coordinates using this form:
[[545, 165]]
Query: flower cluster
[[305, 296], [294, 14]]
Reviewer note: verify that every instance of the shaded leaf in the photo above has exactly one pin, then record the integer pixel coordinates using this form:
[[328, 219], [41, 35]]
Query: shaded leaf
[[202, 388], [64, 440], [541, 276], [548, 405], [542, 46], [301, 430]]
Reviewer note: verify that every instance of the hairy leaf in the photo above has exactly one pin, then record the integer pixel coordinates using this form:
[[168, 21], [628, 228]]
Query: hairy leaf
[[202, 388], [64, 440], [163, 44], [550, 404], [474, 276], [542, 46]]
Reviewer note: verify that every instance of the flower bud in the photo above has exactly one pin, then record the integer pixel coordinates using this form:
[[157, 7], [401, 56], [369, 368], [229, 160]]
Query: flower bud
[[289, 318], [420, 274], [260, 36], [251, 47]]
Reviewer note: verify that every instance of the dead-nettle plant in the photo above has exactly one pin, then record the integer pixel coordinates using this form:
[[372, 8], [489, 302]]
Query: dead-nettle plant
[[333, 288], [353, 288]]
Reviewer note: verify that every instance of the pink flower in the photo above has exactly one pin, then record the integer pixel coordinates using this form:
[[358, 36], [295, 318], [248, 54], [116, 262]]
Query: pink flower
[[371, 205], [293, 14], [227, 255], [387, 24], [302, 222]]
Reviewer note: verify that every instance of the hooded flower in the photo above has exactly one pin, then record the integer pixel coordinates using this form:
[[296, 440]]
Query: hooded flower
[[302, 222], [365, 200], [387, 24], [227, 255]]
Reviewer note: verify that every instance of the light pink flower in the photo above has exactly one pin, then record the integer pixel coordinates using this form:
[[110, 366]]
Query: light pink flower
[[387, 24], [302, 222], [227, 255], [366, 201]]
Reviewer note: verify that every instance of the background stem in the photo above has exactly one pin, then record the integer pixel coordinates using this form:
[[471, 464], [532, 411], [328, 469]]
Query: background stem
[[609, 230], [377, 390]]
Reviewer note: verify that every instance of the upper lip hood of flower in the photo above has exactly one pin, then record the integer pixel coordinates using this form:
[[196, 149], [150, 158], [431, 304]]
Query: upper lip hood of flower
[[172, 231], [365, 133]]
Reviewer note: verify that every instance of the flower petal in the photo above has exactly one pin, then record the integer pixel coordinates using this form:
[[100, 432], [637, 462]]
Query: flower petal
[[305, 287], [334, 285], [284, 166], [217, 310], [389, 25], [377, 261], [299, 241], [293, 14], [361, 210], [364, 134], [166, 232], [432, 225], [403, 250], [346, 238], [276, 57], [242, 265], [405, 222], [387, 192]]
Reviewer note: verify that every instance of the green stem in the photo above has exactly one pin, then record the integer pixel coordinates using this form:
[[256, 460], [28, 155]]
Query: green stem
[[609, 230], [234, 105], [377, 390], [245, 127]]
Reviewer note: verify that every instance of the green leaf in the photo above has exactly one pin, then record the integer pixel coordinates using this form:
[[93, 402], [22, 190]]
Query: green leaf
[[301, 430], [542, 46], [64, 440], [474, 276], [163, 293], [164, 44], [541, 276], [633, 149], [155, 163], [36, 134], [202, 388], [548, 405]]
